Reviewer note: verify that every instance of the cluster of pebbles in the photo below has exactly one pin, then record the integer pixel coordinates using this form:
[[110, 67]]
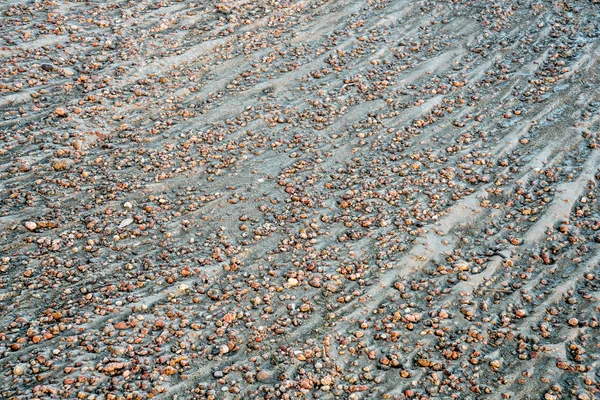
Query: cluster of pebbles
[[346, 199]]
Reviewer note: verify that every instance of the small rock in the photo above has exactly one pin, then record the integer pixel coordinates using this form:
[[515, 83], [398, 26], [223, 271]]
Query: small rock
[[60, 165], [31, 225], [18, 370], [128, 205], [520, 313], [60, 112], [292, 282], [78, 144], [218, 374], [326, 380], [125, 222], [462, 266], [121, 325], [263, 375], [229, 318]]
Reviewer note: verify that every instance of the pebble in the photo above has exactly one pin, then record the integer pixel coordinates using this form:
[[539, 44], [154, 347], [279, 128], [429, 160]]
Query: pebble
[[125, 222], [520, 313], [60, 165], [263, 375], [326, 380], [19, 369], [61, 112], [78, 144]]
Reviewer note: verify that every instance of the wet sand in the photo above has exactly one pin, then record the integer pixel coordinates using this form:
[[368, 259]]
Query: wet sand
[[299, 199]]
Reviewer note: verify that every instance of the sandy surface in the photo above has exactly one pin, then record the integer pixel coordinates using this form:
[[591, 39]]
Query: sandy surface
[[347, 199]]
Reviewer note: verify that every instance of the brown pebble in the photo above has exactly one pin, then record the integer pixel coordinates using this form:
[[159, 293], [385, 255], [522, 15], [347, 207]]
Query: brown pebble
[[326, 380], [121, 325], [263, 375], [520, 313], [60, 165], [78, 144]]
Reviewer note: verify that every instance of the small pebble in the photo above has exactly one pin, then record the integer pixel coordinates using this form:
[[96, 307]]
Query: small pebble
[[19, 369], [263, 375]]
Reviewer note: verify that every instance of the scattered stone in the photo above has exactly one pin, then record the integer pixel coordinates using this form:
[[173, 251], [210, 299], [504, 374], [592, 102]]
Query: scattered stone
[[60, 112], [520, 313], [78, 144], [125, 222], [60, 165], [495, 364], [263, 376], [19, 369], [292, 282]]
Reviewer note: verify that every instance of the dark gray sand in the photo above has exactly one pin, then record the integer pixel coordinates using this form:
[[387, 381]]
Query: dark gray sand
[[344, 199]]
